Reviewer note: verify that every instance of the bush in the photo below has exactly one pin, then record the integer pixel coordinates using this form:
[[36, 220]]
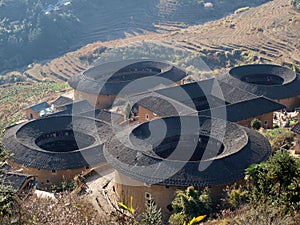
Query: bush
[[256, 124], [152, 215], [236, 197], [190, 203], [276, 181], [296, 4], [8, 205], [63, 186], [283, 141]]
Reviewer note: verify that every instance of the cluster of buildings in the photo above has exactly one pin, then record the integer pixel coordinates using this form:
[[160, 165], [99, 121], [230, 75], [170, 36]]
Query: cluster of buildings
[[176, 135]]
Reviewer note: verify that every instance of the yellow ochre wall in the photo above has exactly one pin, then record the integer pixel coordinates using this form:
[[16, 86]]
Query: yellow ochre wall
[[163, 195], [290, 103], [265, 117], [47, 178], [146, 115]]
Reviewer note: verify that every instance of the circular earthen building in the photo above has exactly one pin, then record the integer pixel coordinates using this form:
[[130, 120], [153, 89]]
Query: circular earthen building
[[101, 84], [56, 148], [272, 81]]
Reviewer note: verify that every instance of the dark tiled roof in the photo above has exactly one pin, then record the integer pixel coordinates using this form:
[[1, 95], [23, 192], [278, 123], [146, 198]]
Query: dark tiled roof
[[296, 128], [243, 110], [75, 108], [287, 86], [199, 96], [16, 180], [139, 160], [164, 106], [104, 115], [62, 101], [5, 166], [111, 78], [206, 94], [39, 107], [21, 141]]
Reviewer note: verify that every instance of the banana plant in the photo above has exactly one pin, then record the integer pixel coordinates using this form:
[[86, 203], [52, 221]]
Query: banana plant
[[195, 220], [128, 208]]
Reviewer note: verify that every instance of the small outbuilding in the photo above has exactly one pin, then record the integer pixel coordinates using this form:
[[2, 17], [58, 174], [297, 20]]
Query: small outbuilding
[[34, 111], [20, 182], [209, 98], [59, 103]]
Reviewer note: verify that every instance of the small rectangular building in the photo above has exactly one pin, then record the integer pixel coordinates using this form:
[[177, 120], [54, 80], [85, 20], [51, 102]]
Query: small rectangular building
[[34, 111], [208, 98]]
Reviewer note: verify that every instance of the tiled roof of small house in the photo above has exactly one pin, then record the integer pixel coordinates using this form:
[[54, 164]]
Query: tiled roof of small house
[[16, 180], [206, 97], [206, 94], [74, 108], [147, 153], [162, 105], [62, 101], [104, 115], [272, 81], [39, 107], [244, 109], [111, 78], [296, 128], [57, 142]]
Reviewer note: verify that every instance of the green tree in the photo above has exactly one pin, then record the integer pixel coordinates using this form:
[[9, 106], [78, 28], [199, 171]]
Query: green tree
[[276, 181], [190, 203], [296, 4], [7, 204], [151, 215], [256, 124]]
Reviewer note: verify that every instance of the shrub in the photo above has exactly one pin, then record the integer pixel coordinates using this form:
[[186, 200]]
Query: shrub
[[8, 205], [236, 197], [276, 181], [63, 186], [296, 4], [256, 124], [151, 215], [283, 141], [190, 203]]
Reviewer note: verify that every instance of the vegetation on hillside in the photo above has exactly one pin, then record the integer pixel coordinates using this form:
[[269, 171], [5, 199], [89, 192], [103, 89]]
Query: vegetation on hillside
[[14, 98], [296, 4], [31, 30], [280, 138]]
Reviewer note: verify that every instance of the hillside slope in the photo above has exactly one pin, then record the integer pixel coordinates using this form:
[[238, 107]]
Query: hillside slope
[[268, 33]]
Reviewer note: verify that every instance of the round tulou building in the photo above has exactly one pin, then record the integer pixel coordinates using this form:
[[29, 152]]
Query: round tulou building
[[272, 81], [158, 157], [57, 148], [100, 85]]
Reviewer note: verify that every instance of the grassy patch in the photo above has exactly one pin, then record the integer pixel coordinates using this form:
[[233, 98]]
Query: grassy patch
[[15, 97]]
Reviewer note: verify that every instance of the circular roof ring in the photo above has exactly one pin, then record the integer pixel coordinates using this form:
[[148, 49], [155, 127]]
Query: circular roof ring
[[169, 160], [58, 142]]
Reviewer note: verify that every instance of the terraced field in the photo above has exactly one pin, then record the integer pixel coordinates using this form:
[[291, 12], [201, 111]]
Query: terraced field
[[270, 32]]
